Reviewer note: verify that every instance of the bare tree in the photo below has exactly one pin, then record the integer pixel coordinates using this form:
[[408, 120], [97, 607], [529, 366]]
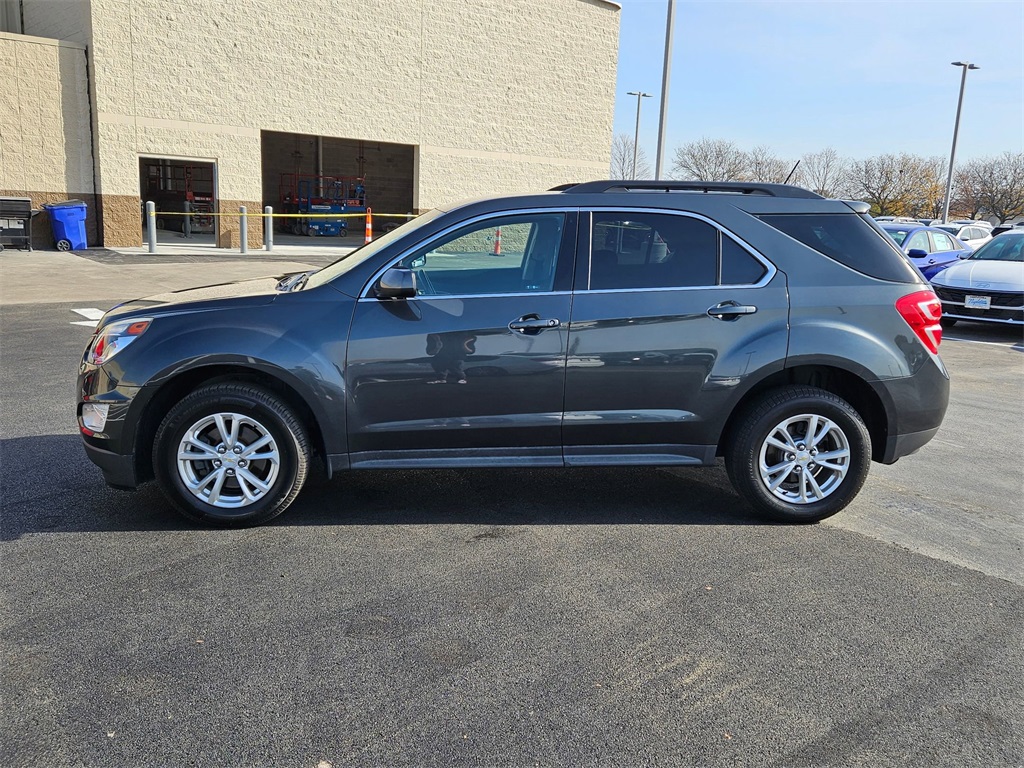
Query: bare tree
[[824, 172], [710, 160], [886, 181], [622, 159], [966, 198], [765, 166], [999, 182]]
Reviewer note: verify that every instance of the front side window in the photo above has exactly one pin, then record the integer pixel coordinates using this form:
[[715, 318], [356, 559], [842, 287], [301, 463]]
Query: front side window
[[656, 250], [502, 255], [919, 240]]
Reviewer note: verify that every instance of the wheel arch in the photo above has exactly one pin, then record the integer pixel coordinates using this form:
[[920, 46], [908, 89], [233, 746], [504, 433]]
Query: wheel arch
[[850, 385], [177, 387]]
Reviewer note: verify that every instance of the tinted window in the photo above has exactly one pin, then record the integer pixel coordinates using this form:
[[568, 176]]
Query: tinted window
[[898, 235], [1001, 248], [513, 254], [850, 240], [738, 266], [651, 250]]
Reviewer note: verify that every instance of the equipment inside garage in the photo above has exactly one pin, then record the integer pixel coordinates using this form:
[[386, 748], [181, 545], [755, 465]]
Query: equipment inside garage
[[326, 175], [176, 186]]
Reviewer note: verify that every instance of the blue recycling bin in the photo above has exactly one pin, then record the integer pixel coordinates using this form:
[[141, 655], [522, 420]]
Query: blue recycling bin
[[68, 220]]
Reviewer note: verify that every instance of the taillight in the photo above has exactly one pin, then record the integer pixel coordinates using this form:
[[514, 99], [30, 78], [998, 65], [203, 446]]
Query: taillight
[[923, 311]]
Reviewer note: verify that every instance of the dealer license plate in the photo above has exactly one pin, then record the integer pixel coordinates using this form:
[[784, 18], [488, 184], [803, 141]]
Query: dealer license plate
[[978, 302]]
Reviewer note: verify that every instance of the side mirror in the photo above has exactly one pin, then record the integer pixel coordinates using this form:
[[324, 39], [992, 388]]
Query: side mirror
[[396, 283], [917, 253]]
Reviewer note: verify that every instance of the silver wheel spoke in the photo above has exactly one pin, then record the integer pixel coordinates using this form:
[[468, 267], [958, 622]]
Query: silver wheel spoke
[[783, 470], [203, 451], [814, 486], [789, 445], [840, 469], [816, 436], [250, 449], [250, 478], [829, 455], [269, 456], [812, 428], [200, 485], [243, 483], [218, 486], [227, 436]]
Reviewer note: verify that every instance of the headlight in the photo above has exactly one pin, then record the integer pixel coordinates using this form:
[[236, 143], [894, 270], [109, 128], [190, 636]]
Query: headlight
[[112, 338]]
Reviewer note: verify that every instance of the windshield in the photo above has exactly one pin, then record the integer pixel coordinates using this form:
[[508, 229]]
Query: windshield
[[1001, 248], [948, 228], [361, 254]]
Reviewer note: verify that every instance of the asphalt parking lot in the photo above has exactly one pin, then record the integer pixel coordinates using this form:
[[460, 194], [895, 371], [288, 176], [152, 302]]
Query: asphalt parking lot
[[512, 617]]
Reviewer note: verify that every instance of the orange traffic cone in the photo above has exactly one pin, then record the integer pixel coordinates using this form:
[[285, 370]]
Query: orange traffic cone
[[369, 225], [497, 241]]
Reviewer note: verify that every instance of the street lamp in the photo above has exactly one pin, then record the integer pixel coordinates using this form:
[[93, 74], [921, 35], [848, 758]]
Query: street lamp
[[636, 136], [664, 90], [966, 65]]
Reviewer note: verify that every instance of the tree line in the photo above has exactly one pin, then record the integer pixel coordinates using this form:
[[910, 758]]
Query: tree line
[[894, 184]]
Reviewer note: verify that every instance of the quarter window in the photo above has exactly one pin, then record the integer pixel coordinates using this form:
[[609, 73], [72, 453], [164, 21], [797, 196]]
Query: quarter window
[[513, 254], [652, 250]]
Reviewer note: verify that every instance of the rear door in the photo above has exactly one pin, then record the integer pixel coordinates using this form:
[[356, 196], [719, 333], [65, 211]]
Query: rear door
[[670, 316]]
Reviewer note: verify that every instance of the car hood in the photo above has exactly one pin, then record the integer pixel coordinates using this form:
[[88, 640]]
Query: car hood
[[260, 290], [983, 273]]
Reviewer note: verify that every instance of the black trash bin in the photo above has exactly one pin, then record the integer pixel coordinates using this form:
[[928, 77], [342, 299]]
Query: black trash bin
[[16, 222]]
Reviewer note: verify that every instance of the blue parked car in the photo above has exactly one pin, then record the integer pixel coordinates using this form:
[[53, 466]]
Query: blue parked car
[[930, 248]]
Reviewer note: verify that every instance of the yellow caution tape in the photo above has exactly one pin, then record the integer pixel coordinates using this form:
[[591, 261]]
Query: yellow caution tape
[[200, 215]]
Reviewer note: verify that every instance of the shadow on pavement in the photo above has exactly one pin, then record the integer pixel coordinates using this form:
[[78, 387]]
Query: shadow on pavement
[[51, 487]]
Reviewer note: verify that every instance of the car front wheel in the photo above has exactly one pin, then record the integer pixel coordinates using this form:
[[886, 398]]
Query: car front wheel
[[799, 454], [231, 455]]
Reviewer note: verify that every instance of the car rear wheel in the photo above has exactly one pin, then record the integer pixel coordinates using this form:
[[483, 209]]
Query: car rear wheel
[[799, 454], [231, 455]]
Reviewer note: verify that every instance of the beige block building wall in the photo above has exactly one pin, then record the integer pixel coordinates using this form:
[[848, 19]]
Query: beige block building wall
[[45, 142], [496, 95]]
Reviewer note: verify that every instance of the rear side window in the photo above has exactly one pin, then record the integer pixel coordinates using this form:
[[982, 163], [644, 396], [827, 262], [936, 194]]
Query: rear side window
[[654, 250], [850, 240]]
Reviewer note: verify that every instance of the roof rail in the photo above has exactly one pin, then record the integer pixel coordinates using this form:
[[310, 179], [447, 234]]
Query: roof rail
[[734, 187]]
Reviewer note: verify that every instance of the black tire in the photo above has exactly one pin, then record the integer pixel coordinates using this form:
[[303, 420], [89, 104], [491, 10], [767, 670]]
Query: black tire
[[947, 322], [763, 417], [263, 413]]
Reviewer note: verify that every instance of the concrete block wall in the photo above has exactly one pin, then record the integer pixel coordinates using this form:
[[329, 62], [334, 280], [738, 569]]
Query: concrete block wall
[[495, 96], [45, 139]]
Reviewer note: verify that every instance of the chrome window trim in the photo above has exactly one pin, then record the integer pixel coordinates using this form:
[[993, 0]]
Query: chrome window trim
[[768, 265], [565, 211], [464, 296]]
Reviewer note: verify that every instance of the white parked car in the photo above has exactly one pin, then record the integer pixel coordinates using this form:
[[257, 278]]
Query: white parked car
[[988, 285], [974, 235]]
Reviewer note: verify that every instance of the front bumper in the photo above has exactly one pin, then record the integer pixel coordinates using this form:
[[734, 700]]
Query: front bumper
[[118, 469]]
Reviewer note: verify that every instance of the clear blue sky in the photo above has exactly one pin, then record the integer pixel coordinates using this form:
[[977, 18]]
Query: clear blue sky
[[865, 77]]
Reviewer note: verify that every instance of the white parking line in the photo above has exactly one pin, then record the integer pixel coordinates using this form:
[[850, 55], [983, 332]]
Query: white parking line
[[1017, 346], [91, 313]]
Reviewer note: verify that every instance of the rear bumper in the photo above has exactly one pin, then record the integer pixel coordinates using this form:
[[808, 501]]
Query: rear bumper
[[918, 405], [904, 445]]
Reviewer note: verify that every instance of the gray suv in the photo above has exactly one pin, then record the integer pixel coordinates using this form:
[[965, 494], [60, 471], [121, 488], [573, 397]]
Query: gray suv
[[603, 323]]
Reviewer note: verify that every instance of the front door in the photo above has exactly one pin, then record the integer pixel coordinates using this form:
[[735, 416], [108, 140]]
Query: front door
[[471, 370], [668, 321]]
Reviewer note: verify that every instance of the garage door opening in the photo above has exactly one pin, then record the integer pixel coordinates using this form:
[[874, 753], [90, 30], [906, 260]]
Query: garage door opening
[[179, 187], [326, 183]]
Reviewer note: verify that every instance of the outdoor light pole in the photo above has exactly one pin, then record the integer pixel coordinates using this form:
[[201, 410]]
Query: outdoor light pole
[[664, 90], [966, 65], [636, 136]]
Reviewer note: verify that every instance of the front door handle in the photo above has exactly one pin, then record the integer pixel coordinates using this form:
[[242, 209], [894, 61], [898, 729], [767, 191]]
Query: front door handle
[[730, 310], [533, 324]]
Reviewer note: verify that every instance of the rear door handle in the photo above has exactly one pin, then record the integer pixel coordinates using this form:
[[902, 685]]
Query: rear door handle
[[730, 310], [533, 324]]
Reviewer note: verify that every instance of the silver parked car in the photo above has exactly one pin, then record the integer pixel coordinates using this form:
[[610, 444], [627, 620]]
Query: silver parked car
[[988, 285]]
